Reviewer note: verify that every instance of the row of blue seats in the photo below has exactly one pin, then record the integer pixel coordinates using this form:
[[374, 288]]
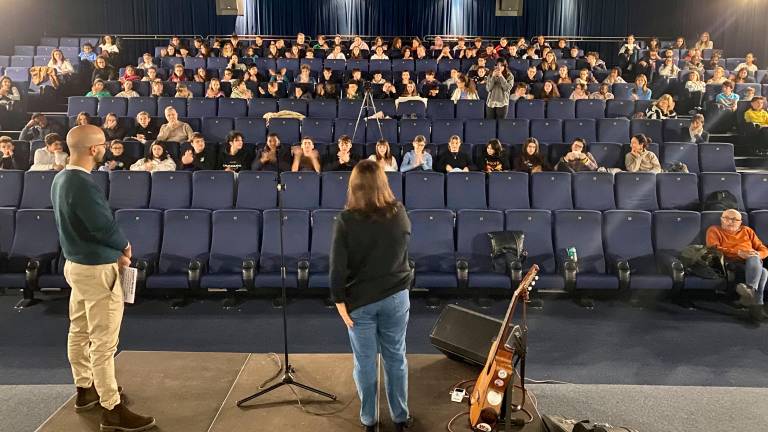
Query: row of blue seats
[[216, 190], [436, 109], [188, 249]]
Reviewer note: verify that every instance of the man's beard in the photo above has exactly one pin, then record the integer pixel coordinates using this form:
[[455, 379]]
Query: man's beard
[[99, 158]]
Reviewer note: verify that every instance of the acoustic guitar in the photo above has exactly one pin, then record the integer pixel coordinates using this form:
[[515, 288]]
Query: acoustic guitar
[[485, 402]]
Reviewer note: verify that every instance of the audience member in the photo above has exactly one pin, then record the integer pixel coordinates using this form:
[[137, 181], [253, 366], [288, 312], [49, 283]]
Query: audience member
[[175, 130], [499, 85], [548, 91], [603, 92], [748, 64], [199, 157], [741, 246], [112, 129], [182, 91], [578, 159], [63, 67], [128, 91], [641, 90], [235, 156], [273, 157], [97, 90], [116, 159], [696, 131], [640, 159], [530, 160], [579, 92], [718, 76], [305, 157], [383, 156], [662, 109], [344, 159], [51, 157], [454, 160], [704, 42], [145, 129], [157, 159], [493, 157], [103, 70], [214, 89], [10, 161], [87, 53], [418, 158], [727, 100], [38, 128]]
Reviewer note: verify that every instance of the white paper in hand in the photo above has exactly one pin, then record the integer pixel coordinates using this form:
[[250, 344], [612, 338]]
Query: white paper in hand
[[128, 282]]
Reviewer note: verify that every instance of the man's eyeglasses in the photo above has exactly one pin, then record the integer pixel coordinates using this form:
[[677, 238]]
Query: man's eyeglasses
[[731, 219]]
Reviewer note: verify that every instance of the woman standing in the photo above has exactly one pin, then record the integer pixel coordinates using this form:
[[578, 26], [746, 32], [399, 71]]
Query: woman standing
[[369, 278], [499, 85]]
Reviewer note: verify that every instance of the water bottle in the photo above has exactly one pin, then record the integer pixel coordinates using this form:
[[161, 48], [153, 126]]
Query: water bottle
[[572, 254]]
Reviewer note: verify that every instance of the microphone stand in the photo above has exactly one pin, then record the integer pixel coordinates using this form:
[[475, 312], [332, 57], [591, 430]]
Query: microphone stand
[[288, 369]]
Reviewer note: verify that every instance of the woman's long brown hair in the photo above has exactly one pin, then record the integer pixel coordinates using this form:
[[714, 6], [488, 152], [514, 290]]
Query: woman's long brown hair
[[369, 192]]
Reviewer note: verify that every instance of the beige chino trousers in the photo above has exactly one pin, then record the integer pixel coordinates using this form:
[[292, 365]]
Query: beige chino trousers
[[95, 315]]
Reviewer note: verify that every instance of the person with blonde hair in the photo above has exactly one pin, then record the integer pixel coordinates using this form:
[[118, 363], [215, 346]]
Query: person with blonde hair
[[662, 109], [704, 42], [369, 279]]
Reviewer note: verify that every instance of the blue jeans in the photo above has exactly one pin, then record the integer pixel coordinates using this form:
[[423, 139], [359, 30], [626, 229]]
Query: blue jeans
[[381, 327], [756, 275]]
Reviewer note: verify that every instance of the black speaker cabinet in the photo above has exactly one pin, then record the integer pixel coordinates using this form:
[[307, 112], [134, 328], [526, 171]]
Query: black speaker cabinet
[[464, 335]]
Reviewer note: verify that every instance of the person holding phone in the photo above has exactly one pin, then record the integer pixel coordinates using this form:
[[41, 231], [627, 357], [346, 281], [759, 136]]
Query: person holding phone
[[499, 85]]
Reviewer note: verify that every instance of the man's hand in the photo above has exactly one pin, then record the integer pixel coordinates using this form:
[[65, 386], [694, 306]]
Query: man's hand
[[128, 251], [123, 262], [744, 253]]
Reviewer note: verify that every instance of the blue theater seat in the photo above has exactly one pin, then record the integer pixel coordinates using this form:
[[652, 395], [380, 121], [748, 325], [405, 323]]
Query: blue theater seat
[[213, 190], [754, 188], [302, 190], [116, 105], [561, 109], [593, 191], [321, 130], [139, 104], [37, 190], [479, 131], [347, 127], [536, 225], [473, 246], [179, 104], [636, 191], [547, 130], [676, 130], [295, 244], [441, 109], [508, 190], [582, 229], [144, 230], [200, 107], [388, 129], [349, 109], [432, 248], [649, 127], [716, 157], [551, 190], [470, 109], [334, 189], [530, 109], [590, 108], [613, 130], [321, 109], [410, 128], [216, 129], [323, 222], [297, 105], [411, 108], [259, 107], [129, 189], [627, 236], [35, 238], [442, 130], [186, 241], [465, 190], [78, 104], [235, 243], [719, 181], [395, 179], [256, 190], [171, 190], [513, 131], [254, 130], [579, 128], [687, 153], [677, 191], [608, 154], [424, 190], [11, 186]]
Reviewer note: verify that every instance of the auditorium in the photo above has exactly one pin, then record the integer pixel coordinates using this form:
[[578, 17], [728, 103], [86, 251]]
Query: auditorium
[[363, 215]]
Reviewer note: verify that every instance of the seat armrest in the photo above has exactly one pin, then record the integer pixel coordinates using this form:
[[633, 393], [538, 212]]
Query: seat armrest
[[142, 267], [412, 266], [623, 272], [570, 271], [249, 274], [462, 273], [194, 271], [303, 273]]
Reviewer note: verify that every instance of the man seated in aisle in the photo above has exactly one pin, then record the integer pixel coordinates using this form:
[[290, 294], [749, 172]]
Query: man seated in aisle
[[199, 157], [273, 157], [344, 159], [235, 157], [741, 246], [51, 157], [305, 157], [454, 160], [9, 161], [38, 127], [175, 130], [758, 117]]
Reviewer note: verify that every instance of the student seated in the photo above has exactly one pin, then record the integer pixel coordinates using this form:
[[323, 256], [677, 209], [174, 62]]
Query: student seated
[[578, 159], [305, 157], [10, 161], [696, 131], [757, 116], [112, 129], [175, 130], [383, 156], [199, 157], [273, 157], [343, 159], [51, 157], [97, 90], [640, 159], [530, 159], [727, 100], [157, 159], [494, 158], [418, 158], [234, 157], [116, 159], [662, 109], [453, 160]]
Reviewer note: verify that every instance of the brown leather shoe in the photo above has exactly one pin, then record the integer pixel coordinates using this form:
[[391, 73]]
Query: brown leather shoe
[[87, 398], [121, 419]]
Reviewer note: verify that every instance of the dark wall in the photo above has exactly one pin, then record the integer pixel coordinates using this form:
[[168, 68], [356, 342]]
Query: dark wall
[[737, 26]]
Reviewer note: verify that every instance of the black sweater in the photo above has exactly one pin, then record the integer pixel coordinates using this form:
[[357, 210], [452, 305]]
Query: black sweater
[[369, 258], [458, 160]]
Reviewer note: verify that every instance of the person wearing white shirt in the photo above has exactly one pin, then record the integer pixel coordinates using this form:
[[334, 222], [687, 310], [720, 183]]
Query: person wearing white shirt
[[748, 64], [384, 156], [336, 54], [52, 156], [379, 54], [157, 160]]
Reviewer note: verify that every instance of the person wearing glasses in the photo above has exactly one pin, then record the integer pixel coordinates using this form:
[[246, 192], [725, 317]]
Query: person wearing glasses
[[741, 246], [96, 251]]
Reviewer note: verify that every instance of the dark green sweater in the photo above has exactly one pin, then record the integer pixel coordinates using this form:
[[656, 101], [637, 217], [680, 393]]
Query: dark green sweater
[[88, 232], [369, 258]]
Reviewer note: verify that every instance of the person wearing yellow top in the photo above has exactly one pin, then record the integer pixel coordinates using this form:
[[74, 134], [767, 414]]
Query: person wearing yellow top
[[756, 113]]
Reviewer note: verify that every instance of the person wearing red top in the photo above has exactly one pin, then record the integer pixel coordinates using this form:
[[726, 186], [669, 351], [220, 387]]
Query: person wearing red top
[[129, 74], [178, 74], [740, 244]]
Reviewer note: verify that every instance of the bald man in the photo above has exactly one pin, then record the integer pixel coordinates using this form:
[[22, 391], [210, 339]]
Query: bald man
[[96, 250], [740, 244]]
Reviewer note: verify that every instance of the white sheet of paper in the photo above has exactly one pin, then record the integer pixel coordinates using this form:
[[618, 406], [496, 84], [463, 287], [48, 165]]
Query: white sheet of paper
[[128, 282]]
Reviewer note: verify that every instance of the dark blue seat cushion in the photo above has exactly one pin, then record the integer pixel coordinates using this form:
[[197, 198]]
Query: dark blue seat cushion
[[488, 280], [222, 280], [272, 280], [167, 281], [436, 280], [595, 281]]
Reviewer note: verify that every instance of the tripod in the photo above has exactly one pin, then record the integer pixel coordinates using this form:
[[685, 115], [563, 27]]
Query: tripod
[[367, 102], [288, 370]]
